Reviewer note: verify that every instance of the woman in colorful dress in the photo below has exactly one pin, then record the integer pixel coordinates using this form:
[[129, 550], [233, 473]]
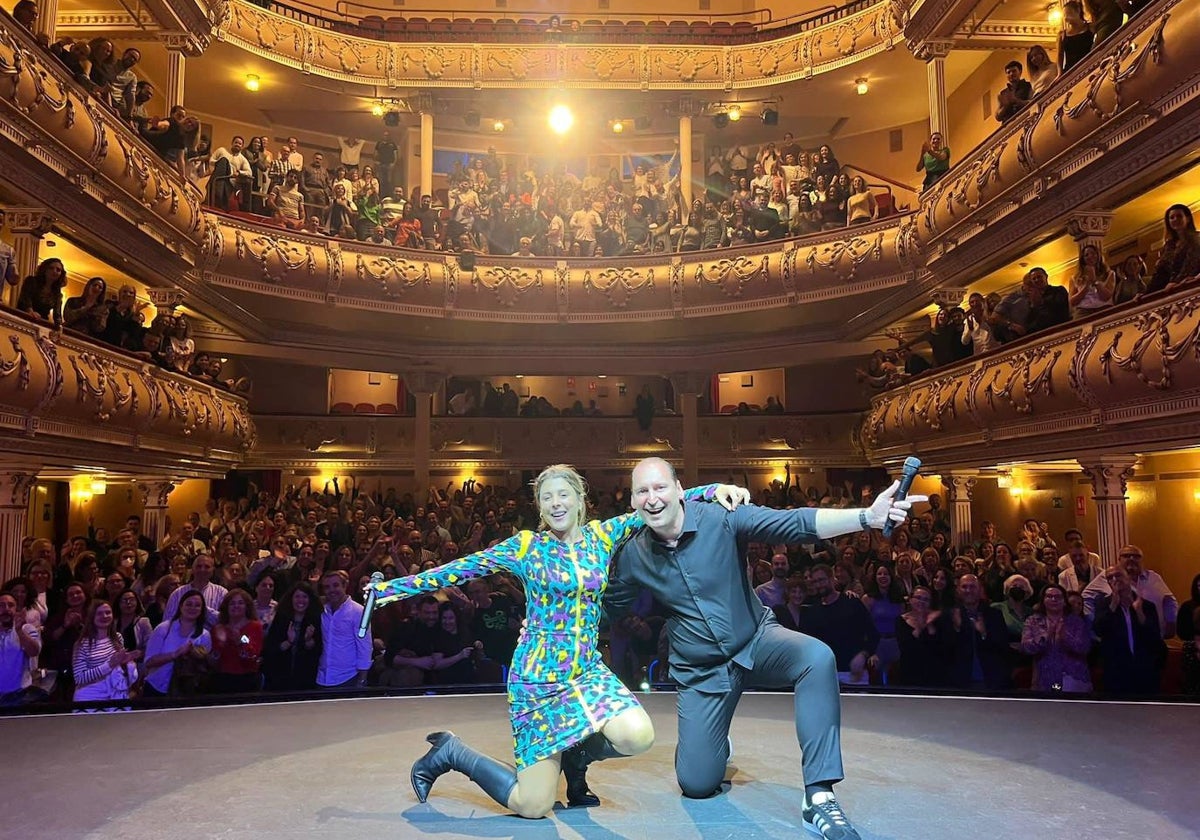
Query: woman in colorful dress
[[567, 708]]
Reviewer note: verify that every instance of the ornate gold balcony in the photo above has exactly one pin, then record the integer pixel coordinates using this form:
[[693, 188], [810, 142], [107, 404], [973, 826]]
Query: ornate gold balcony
[[75, 401], [1127, 379], [324, 52]]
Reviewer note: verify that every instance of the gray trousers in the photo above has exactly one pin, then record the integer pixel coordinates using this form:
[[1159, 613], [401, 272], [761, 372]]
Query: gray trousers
[[782, 658]]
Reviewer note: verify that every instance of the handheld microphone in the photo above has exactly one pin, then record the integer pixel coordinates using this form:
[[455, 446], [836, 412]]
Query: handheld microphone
[[911, 466], [369, 607]]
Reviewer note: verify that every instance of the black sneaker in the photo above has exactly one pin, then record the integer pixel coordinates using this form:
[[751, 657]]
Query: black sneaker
[[827, 819]]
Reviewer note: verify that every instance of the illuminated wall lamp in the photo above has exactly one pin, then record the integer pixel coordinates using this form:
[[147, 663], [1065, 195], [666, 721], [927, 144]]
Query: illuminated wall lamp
[[735, 113], [99, 486], [252, 82], [377, 109], [1054, 14], [861, 86]]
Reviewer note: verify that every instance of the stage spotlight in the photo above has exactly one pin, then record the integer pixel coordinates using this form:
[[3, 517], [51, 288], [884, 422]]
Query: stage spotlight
[[720, 120], [561, 119], [735, 113]]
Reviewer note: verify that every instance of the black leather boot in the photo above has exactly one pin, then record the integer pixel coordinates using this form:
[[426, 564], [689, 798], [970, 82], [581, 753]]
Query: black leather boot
[[575, 761], [494, 777]]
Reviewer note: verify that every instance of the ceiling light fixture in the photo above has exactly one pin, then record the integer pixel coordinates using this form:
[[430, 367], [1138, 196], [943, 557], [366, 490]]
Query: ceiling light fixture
[[861, 86], [735, 113], [561, 119], [252, 82]]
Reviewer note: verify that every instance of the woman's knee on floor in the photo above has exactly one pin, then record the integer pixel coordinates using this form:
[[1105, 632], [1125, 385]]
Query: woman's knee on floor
[[631, 732]]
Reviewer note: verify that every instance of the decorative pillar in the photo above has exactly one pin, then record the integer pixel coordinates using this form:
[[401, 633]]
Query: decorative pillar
[[688, 387], [934, 53], [47, 17], [422, 386], [28, 226], [155, 490], [959, 488], [1109, 474], [685, 160], [16, 480], [425, 106], [1089, 227], [176, 74]]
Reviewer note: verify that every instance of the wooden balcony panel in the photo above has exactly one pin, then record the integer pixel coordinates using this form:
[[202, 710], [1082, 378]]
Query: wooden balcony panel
[[88, 398]]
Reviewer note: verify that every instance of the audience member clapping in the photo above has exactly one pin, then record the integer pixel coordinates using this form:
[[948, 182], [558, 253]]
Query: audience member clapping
[[1059, 643]]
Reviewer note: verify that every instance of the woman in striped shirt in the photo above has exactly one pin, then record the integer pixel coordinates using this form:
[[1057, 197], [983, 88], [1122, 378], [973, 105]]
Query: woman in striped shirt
[[100, 663]]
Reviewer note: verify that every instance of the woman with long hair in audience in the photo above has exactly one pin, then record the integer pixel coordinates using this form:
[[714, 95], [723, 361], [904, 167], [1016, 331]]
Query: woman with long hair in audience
[[237, 643], [22, 591], [160, 596], [88, 313], [924, 653], [112, 587], [941, 586], [1075, 38], [1091, 288], [1042, 69], [998, 570], [567, 708], [292, 648], [1059, 643], [458, 650], [884, 600], [935, 159], [265, 605], [861, 208], [180, 639], [1131, 279], [788, 613], [41, 293], [63, 628], [1179, 261], [102, 668], [131, 621]]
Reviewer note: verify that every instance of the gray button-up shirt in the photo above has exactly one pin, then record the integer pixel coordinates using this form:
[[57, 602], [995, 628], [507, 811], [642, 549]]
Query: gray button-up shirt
[[713, 615]]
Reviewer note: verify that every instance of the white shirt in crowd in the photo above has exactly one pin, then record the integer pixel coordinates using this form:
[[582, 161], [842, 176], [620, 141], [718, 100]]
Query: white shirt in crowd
[[343, 654], [213, 594], [16, 667], [1149, 585]]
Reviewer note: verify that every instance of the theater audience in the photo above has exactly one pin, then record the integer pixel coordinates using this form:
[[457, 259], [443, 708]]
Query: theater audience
[[1059, 643], [924, 654], [292, 649], [1131, 646], [1075, 39], [1015, 95], [842, 622], [1092, 285], [1042, 71], [935, 159], [1179, 261], [177, 653], [978, 639]]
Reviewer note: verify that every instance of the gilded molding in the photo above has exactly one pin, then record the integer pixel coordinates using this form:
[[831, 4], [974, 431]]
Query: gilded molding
[[325, 52]]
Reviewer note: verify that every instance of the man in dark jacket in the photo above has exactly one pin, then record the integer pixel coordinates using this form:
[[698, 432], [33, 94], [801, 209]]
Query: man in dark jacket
[[980, 639]]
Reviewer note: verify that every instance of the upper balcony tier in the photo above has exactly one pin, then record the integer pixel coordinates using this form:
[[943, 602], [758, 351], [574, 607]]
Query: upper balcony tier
[[74, 403], [438, 63]]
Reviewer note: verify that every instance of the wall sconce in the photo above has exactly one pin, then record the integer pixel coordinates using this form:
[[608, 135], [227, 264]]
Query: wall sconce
[[1004, 480], [1196, 496], [252, 82], [861, 86], [99, 486], [1015, 491], [1054, 14], [377, 110], [735, 113]]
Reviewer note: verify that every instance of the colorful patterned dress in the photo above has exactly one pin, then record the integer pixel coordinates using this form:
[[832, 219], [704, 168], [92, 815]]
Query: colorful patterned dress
[[559, 690]]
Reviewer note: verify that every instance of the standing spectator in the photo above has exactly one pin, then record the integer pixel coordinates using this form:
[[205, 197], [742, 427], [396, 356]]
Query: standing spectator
[[1015, 95], [1185, 628], [944, 339], [977, 326], [1131, 645], [88, 313], [178, 644], [41, 293], [345, 658], [102, 668], [285, 202], [842, 622], [1149, 585], [1093, 284], [584, 223], [63, 628], [237, 646], [1049, 306], [884, 599], [315, 185], [1058, 642], [232, 177], [131, 621], [385, 162], [1106, 17], [977, 639], [924, 653], [8, 259], [1179, 261], [292, 650], [935, 159], [1042, 71], [1131, 279], [20, 645], [25, 12], [203, 568], [861, 208], [1075, 39], [264, 604]]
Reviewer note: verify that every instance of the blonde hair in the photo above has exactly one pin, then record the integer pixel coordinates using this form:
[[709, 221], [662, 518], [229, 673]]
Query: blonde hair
[[573, 479]]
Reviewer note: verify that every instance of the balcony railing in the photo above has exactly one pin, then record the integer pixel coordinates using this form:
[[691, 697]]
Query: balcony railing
[[62, 396]]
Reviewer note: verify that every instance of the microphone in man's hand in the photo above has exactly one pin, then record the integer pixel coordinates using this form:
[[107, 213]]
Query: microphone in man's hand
[[369, 607], [911, 466]]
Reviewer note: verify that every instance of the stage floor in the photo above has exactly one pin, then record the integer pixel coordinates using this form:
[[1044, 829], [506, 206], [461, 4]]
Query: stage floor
[[918, 767]]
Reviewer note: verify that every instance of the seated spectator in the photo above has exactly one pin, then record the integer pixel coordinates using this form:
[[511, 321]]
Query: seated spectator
[[1075, 39], [1092, 285], [773, 593], [88, 313], [842, 622], [1015, 95], [410, 653], [1179, 261], [124, 321], [237, 639], [924, 654], [457, 652], [41, 293], [1131, 647], [177, 653], [1059, 643], [935, 159], [1042, 71], [788, 613], [494, 620], [103, 669], [292, 648], [977, 639], [20, 645]]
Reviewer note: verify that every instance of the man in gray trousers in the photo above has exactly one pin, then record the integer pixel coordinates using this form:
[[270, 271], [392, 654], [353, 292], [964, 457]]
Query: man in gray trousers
[[723, 640]]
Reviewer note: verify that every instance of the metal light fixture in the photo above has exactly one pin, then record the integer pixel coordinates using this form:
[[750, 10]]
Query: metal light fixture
[[735, 113], [861, 86], [99, 486], [617, 126], [377, 109], [252, 82], [498, 126]]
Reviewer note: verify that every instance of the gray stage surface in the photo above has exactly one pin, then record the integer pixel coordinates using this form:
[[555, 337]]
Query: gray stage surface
[[918, 767]]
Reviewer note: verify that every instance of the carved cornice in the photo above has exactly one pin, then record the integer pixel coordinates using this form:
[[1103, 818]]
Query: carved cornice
[[107, 21], [325, 52], [1133, 375], [501, 443], [43, 110], [1004, 34], [58, 388]]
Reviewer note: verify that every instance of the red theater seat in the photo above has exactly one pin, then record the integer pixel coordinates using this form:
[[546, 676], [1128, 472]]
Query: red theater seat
[[364, 408], [341, 408]]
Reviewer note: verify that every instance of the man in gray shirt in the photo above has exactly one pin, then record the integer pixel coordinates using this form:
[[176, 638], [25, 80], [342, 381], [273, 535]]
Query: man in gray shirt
[[724, 640]]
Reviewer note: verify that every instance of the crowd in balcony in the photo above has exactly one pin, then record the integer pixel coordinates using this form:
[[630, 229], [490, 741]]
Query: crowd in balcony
[[1094, 287], [250, 595], [118, 322]]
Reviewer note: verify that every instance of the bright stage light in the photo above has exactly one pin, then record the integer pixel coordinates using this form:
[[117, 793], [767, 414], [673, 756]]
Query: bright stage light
[[561, 119]]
